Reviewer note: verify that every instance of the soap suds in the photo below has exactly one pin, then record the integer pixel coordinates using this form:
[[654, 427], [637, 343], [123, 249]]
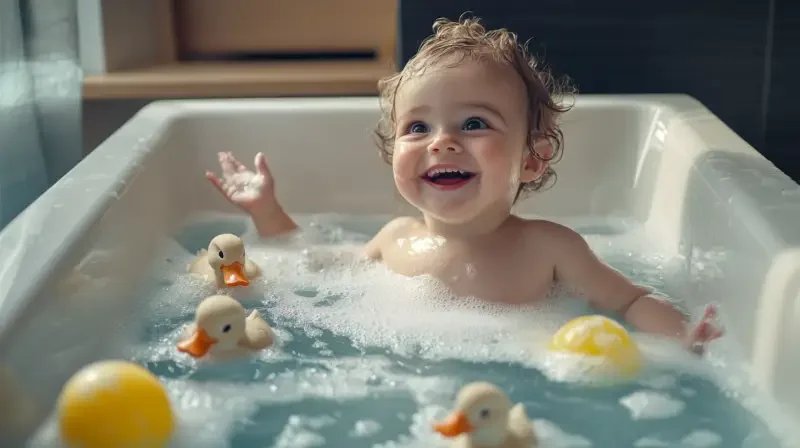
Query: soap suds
[[648, 405]]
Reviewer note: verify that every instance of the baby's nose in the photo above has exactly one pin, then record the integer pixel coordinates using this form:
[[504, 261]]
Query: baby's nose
[[444, 145]]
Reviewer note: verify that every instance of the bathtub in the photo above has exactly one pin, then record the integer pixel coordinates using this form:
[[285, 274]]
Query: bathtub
[[662, 161]]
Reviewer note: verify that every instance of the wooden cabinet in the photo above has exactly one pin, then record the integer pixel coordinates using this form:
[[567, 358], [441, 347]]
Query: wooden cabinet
[[213, 48]]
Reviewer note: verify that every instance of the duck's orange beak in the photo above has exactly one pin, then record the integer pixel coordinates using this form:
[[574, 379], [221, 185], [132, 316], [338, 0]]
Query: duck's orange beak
[[198, 344], [455, 425], [234, 274]]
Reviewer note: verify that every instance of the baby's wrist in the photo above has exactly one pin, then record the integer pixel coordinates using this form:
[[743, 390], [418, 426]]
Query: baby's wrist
[[270, 219], [266, 209]]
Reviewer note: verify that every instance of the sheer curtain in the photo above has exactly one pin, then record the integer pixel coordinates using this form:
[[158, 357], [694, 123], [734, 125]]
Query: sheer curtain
[[40, 99]]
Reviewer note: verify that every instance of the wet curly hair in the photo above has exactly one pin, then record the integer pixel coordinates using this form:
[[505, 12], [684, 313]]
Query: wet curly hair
[[451, 44]]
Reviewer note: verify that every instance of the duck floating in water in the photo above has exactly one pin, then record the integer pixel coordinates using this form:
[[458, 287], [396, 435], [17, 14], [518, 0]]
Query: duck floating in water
[[485, 417], [225, 263], [222, 329]]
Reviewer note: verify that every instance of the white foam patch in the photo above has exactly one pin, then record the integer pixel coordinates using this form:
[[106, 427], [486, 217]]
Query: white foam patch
[[420, 432], [551, 435], [365, 428], [300, 432], [650, 442], [649, 405], [702, 438]]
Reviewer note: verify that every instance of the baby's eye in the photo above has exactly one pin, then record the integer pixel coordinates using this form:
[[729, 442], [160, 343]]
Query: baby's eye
[[418, 128], [473, 124]]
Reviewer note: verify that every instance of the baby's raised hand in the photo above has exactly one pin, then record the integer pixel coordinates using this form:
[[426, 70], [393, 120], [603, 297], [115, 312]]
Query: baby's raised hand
[[705, 331], [251, 191]]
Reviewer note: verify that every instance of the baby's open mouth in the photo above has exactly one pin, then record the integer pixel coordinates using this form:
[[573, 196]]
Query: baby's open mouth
[[448, 177]]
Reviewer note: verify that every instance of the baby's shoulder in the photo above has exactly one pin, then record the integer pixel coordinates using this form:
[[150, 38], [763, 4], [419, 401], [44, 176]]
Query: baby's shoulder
[[397, 228], [402, 224], [391, 231], [543, 232]]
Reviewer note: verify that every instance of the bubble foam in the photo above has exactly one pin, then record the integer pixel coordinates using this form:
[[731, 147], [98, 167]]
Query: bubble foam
[[376, 308]]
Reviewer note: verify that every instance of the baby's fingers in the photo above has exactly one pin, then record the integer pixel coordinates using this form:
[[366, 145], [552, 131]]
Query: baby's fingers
[[261, 165], [216, 181], [228, 164], [710, 312]]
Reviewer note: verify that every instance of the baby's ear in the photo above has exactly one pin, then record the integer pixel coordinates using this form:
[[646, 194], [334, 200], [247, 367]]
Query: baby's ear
[[534, 165], [543, 148]]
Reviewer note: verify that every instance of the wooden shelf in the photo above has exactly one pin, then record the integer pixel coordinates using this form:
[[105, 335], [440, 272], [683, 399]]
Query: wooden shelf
[[230, 79]]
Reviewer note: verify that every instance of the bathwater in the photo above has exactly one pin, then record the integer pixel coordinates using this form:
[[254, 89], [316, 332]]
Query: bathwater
[[367, 358]]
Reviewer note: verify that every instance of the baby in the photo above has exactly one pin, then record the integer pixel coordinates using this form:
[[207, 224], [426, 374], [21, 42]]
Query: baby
[[470, 125]]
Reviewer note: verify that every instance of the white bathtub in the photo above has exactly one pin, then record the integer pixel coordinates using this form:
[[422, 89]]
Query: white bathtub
[[663, 161]]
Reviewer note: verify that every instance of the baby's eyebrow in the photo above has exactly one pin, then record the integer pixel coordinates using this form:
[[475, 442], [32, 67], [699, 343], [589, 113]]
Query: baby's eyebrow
[[485, 106], [421, 109]]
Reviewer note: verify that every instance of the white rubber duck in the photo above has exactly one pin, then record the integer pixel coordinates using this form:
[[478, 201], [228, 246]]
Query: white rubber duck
[[222, 329], [484, 417], [225, 263]]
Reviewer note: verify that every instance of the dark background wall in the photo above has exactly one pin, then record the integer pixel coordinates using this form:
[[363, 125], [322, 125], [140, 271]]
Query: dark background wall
[[738, 57]]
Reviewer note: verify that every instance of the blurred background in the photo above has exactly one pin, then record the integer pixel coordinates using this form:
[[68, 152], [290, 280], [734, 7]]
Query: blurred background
[[72, 71]]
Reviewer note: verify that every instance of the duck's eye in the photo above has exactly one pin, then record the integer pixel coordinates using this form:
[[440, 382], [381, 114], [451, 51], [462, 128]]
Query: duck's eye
[[221, 255], [226, 328], [484, 413]]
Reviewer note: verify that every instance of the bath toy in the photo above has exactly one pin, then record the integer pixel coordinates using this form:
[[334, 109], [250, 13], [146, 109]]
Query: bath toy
[[222, 329], [484, 417], [114, 404], [599, 345], [225, 263]]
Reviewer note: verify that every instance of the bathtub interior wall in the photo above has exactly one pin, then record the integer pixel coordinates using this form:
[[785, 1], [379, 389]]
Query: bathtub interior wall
[[662, 161], [329, 162], [70, 262]]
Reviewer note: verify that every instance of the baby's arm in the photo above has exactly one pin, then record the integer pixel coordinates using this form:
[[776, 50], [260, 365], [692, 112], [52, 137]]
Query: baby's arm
[[607, 289]]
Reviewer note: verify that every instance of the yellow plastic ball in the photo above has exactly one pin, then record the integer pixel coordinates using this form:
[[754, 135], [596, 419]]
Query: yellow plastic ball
[[111, 404], [602, 339]]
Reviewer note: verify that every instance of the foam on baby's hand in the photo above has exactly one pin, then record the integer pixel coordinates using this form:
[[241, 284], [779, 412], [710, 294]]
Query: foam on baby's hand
[[244, 185]]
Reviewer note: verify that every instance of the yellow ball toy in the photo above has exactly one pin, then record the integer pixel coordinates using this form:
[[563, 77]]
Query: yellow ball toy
[[111, 404], [604, 343]]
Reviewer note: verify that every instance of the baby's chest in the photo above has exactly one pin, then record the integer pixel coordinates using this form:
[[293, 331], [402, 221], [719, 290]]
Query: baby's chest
[[504, 275]]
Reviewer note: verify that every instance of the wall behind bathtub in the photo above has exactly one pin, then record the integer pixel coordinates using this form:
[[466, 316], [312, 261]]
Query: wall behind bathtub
[[739, 58]]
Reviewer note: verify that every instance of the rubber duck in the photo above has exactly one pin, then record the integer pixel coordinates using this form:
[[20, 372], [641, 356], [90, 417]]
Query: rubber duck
[[485, 417], [225, 262], [223, 329]]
